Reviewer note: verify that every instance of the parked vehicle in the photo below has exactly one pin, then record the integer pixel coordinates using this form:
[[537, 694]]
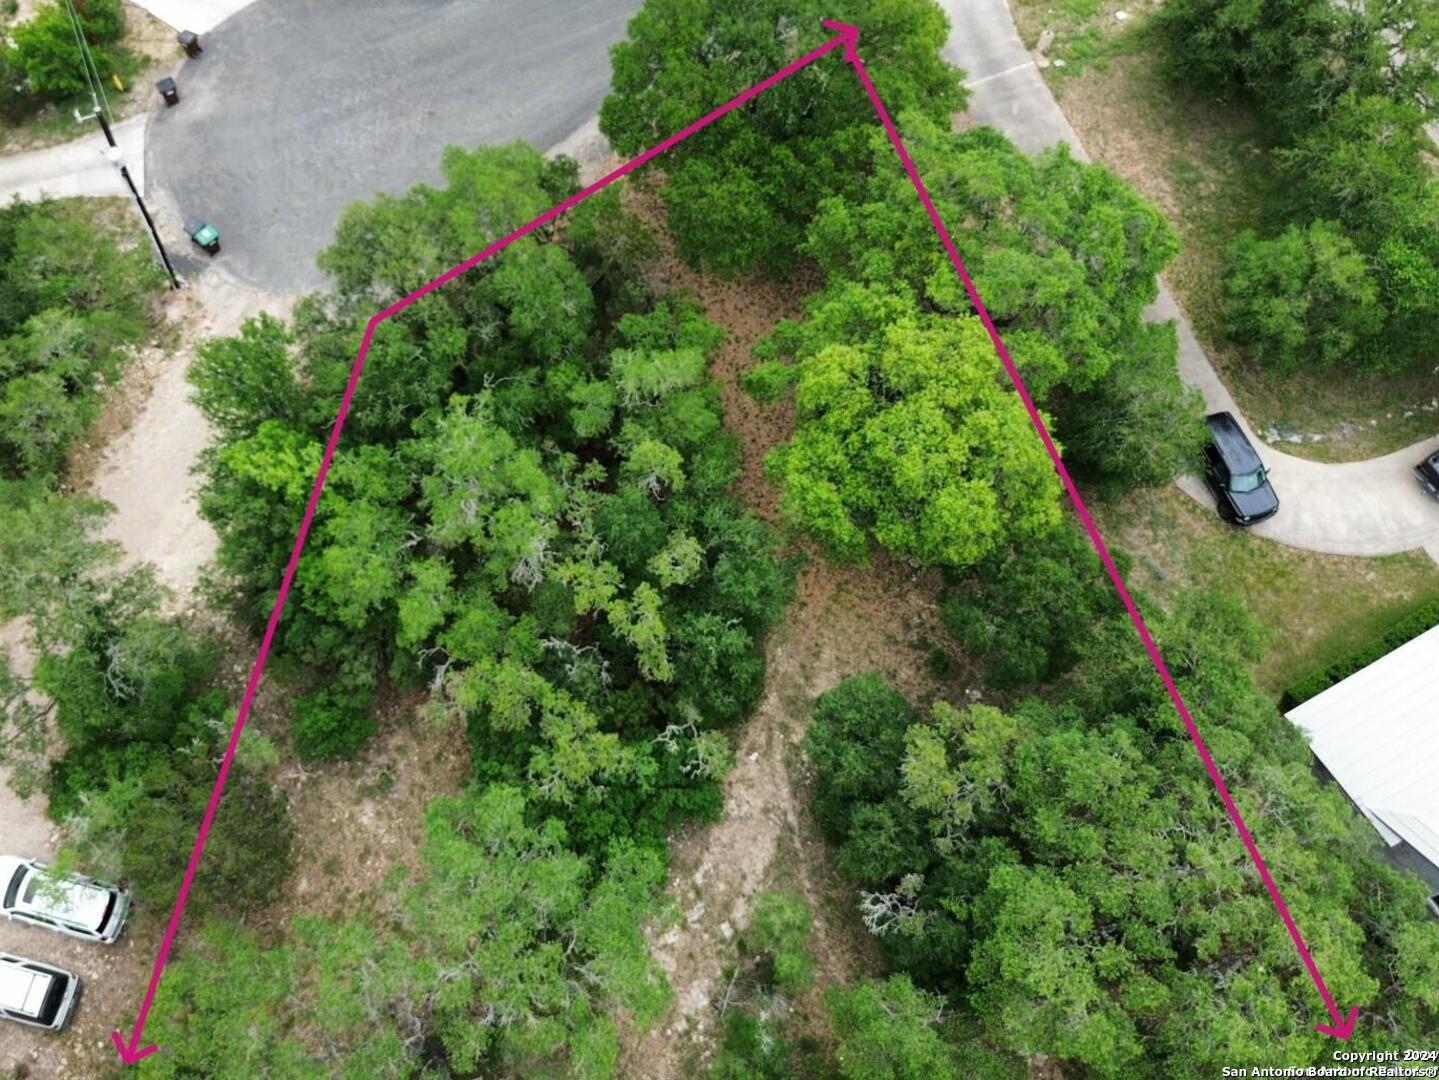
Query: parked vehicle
[[70, 904], [1428, 473], [36, 994], [1235, 474]]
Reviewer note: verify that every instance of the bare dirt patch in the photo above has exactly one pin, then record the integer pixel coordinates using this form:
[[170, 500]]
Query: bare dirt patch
[[748, 308], [357, 822], [142, 455]]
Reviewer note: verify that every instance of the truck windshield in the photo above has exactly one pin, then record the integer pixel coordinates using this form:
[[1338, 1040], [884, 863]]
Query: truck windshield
[[1243, 482]]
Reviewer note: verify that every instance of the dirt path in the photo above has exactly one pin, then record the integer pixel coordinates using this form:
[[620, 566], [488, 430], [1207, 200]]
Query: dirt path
[[144, 470], [845, 620]]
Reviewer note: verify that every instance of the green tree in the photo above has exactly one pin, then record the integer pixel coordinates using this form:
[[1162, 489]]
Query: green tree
[[1064, 254], [1296, 58], [45, 50], [530, 512], [73, 300], [1348, 89], [126, 693], [1030, 609], [1363, 166], [740, 192], [1306, 296], [910, 441], [1077, 885], [888, 1031], [1140, 426], [529, 954], [904, 436]]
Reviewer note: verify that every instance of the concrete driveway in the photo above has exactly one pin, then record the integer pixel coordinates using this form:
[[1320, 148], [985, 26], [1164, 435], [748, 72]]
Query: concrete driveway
[[79, 167], [1372, 507], [299, 107]]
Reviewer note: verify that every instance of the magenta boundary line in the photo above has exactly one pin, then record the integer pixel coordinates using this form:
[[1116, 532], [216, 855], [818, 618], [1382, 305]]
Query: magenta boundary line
[[1342, 1027], [847, 37], [128, 1051]]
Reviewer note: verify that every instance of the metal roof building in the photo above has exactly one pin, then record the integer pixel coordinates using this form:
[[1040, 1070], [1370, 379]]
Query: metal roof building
[[1377, 734]]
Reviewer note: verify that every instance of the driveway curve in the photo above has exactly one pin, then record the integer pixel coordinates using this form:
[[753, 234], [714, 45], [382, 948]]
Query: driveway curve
[[297, 108], [1372, 507]]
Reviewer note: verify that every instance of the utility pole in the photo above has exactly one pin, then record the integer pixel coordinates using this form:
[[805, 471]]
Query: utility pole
[[92, 79], [118, 160]]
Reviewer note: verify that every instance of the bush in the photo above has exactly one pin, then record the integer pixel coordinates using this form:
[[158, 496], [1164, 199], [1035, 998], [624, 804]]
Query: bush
[[856, 741], [1030, 609], [71, 302], [332, 723], [1418, 621], [779, 927], [45, 49], [1304, 297]]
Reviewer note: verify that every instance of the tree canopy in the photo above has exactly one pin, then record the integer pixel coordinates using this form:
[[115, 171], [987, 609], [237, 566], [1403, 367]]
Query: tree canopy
[[1066, 872], [506, 956], [741, 192], [528, 510], [1349, 272], [73, 299], [43, 48], [908, 433]]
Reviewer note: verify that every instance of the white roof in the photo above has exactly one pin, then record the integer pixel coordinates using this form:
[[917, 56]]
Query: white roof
[[1377, 732], [23, 989]]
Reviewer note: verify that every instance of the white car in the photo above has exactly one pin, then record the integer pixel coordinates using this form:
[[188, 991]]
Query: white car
[[36, 994], [74, 905]]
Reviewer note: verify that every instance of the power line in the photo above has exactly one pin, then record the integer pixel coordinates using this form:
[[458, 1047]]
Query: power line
[[100, 102], [88, 65]]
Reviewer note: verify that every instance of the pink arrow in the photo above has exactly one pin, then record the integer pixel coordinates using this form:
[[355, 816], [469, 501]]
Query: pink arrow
[[130, 1050], [1343, 1026]]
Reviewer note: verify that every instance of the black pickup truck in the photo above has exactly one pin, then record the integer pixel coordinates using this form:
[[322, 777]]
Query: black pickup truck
[[1428, 473]]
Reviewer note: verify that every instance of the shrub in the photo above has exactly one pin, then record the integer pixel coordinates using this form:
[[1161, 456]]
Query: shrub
[[46, 53], [331, 723], [1304, 297], [779, 927]]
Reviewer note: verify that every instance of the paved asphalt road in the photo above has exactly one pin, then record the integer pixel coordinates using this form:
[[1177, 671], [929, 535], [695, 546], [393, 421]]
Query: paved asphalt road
[[1372, 507], [299, 107]]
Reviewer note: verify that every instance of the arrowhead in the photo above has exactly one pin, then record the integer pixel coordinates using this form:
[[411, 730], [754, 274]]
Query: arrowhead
[[128, 1054], [1342, 1029], [850, 35]]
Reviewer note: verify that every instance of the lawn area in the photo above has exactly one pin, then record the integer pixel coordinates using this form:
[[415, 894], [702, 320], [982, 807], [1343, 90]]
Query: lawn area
[[1205, 163], [1317, 607], [146, 51]]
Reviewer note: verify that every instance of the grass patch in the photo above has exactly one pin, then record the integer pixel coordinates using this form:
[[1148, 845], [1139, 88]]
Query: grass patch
[[1206, 163], [1075, 34], [1318, 608]]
